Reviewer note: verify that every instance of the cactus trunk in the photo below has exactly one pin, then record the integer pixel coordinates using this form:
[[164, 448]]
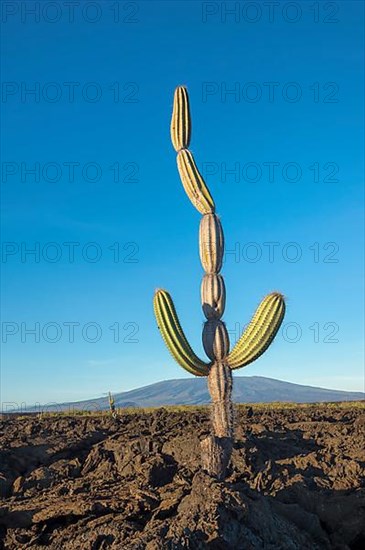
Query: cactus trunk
[[220, 389], [216, 449]]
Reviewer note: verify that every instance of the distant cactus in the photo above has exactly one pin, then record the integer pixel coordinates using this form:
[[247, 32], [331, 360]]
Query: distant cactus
[[217, 448], [112, 410]]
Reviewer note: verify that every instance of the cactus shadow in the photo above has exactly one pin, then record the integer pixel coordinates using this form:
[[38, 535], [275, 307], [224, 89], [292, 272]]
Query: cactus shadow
[[301, 481], [274, 454]]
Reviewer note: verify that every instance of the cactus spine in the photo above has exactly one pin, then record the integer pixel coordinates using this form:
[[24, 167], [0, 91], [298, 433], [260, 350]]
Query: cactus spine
[[217, 448]]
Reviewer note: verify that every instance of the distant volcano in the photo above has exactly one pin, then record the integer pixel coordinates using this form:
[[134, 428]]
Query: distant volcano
[[193, 391]]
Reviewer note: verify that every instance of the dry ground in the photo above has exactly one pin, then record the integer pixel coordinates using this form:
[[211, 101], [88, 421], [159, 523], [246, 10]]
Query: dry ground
[[92, 482]]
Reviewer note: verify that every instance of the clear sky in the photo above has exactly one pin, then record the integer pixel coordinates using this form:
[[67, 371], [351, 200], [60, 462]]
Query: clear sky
[[106, 215]]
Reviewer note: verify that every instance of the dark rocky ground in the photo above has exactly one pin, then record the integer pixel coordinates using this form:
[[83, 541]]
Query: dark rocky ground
[[91, 482]]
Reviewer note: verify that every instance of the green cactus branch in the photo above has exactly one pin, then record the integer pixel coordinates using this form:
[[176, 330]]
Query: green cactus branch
[[260, 332], [174, 337], [217, 448]]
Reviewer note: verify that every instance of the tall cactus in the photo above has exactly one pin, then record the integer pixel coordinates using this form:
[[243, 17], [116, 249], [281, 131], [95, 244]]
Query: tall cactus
[[217, 448]]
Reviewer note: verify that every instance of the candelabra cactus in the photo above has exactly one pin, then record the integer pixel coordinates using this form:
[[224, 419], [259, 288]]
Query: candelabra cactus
[[217, 448]]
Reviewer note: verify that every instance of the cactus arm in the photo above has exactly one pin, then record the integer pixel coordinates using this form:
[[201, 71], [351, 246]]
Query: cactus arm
[[174, 336], [260, 332]]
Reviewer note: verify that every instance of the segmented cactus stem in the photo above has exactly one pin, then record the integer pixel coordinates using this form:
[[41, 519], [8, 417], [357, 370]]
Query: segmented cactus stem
[[213, 296], [180, 121], [193, 183], [211, 243], [215, 340], [174, 336], [260, 332]]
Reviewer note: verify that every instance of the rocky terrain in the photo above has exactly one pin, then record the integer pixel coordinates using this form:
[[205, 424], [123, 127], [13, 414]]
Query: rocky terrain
[[297, 481]]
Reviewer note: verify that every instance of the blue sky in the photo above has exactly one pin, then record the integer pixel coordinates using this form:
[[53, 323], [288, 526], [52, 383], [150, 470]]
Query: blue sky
[[106, 213]]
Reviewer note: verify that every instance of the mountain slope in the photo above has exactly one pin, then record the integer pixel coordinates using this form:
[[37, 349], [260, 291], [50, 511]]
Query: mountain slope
[[193, 391]]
